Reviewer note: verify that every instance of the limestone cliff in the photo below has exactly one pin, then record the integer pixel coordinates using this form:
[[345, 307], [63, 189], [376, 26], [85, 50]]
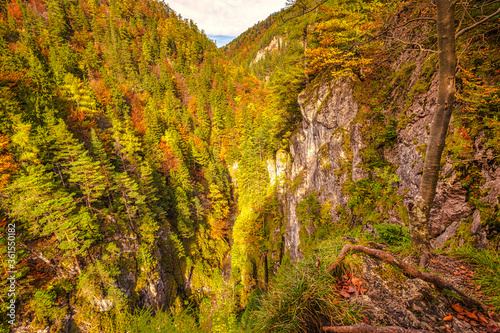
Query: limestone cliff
[[327, 150]]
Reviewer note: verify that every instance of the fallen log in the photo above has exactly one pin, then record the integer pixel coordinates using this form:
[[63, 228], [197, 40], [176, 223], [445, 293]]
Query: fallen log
[[365, 328], [407, 268]]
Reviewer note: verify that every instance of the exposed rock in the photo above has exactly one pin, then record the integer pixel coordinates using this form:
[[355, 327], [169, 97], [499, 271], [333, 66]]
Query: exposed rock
[[317, 151], [274, 45], [478, 232], [394, 300], [391, 300], [450, 205], [153, 295], [271, 170], [450, 232], [102, 304]]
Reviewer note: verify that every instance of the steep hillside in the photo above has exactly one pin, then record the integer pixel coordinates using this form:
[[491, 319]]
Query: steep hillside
[[152, 182], [119, 121], [354, 162]]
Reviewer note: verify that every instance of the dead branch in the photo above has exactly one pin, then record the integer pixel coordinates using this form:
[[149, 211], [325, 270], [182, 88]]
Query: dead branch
[[407, 268], [464, 30], [365, 328], [420, 46]]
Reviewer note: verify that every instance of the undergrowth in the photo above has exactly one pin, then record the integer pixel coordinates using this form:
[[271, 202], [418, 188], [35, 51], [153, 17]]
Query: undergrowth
[[303, 297], [396, 237], [487, 275]]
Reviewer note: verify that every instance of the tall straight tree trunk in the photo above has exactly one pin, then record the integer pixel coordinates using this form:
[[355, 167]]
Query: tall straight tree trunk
[[420, 211]]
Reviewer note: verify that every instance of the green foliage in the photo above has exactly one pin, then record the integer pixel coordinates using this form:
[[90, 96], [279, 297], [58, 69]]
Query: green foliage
[[487, 268], [372, 198], [145, 321], [302, 298], [315, 220], [396, 236]]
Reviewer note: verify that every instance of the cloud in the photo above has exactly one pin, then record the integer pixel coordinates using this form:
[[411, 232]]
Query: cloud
[[225, 17]]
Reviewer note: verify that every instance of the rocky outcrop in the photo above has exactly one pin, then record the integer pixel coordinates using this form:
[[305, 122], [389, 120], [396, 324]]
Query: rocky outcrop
[[318, 151], [273, 46], [392, 299], [326, 151]]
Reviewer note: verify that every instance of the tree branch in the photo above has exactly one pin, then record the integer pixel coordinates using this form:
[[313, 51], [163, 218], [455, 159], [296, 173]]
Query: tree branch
[[365, 328], [464, 30], [407, 268], [416, 44], [307, 11]]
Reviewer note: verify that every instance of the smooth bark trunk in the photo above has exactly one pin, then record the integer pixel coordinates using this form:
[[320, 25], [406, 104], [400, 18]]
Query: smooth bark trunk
[[420, 211]]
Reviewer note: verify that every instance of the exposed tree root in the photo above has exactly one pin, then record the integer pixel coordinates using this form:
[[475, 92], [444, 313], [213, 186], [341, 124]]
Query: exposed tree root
[[365, 328], [407, 268]]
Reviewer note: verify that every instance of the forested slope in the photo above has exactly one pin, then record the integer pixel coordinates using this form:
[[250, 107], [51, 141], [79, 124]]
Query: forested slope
[[119, 121], [157, 183], [365, 77]]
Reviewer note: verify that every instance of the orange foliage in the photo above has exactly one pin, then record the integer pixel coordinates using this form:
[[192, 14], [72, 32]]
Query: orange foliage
[[170, 162], [101, 91], [137, 104], [7, 164], [40, 272], [16, 12]]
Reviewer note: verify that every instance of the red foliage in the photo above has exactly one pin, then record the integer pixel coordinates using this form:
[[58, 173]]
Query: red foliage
[[170, 162], [137, 104], [38, 6], [16, 12]]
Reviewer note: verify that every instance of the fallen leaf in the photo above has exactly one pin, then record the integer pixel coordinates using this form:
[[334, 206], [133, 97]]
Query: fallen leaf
[[363, 291], [351, 289], [434, 261], [478, 287], [448, 318], [344, 294], [448, 329], [471, 315], [356, 282], [473, 323], [457, 307], [463, 267], [460, 317], [483, 318]]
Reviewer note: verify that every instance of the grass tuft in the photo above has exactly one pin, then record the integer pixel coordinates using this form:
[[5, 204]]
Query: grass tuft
[[303, 299], [487, 275]]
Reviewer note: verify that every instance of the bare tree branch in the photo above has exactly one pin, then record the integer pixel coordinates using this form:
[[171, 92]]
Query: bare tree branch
[[304, 11], [464, 30], [415, 44]]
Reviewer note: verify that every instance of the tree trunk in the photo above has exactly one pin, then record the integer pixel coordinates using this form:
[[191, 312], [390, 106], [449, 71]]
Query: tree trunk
[[420, 211], [266, 272]]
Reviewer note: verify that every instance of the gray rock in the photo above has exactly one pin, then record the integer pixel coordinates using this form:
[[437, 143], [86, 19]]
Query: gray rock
[[450, 232]]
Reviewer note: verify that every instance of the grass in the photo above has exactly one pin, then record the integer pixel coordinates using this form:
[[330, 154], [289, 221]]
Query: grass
[[303, 298], [487, 266]]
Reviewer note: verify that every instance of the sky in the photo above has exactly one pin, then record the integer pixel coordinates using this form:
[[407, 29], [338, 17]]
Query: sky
[[223, 20]]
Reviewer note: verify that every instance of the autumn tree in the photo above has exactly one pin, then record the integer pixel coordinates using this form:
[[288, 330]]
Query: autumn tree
[[420, 210]]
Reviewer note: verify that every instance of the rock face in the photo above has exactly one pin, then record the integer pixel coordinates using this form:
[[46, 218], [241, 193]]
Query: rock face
[[317, 151], [274, 45], [326, 151]]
